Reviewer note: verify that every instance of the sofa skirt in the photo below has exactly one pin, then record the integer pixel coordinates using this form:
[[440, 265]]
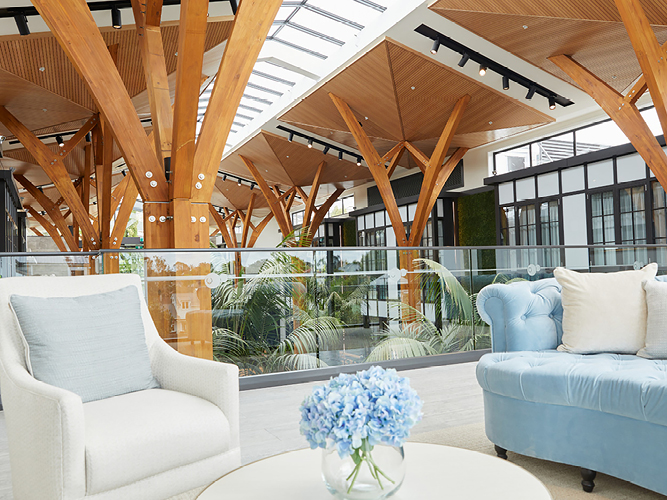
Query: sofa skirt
[[633, 450]]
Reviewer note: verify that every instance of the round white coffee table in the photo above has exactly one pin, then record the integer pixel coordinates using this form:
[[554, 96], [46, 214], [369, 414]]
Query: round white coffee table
[[433, 472]]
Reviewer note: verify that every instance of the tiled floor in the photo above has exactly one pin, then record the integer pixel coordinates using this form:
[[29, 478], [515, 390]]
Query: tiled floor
[[270, 417]]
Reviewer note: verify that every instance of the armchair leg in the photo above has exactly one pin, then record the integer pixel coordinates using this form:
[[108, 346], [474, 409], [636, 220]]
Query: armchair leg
[[501, 452], [588, 477]]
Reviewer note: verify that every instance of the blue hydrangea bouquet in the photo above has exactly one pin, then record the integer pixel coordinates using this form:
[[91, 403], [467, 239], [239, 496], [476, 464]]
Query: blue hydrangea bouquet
[[354, 413]]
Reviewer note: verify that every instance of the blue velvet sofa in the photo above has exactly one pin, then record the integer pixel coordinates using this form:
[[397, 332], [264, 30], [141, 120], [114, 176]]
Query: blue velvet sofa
[[601, 412]]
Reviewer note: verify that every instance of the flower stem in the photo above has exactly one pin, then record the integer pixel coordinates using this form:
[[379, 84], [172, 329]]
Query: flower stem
[[361, 455]]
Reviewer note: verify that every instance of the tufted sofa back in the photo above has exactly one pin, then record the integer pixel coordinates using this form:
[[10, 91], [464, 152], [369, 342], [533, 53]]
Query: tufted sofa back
[[525, 315]]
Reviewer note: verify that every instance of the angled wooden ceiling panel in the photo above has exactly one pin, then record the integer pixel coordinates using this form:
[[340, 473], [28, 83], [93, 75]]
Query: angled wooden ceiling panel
[[28, 101], [26, 55], [436, 91], [260, 153], [599, 10], [367, 86], [301, 163], [603, 47], [426, 92], [230, 195]]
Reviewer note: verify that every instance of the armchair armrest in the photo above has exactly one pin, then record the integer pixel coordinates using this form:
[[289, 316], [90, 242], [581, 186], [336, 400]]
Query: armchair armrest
[[524, 316], [215, 382], [45, 431]]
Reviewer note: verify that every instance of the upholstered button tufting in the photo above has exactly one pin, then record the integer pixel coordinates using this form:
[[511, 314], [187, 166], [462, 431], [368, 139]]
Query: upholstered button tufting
[[523, 316]]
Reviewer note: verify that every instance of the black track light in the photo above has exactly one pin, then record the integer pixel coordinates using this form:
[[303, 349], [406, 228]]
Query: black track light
[[531, 92], [552, 102], [239, 182], [464, 59], [252, 186], [89, 137], [22, 24], [358, 161], [60, 141], [482, 70], [123, 172], [340, 155], [291, 136], [116, 21], [506, 82], [310, 142], [224, 177], [326, 150], [436, 46]]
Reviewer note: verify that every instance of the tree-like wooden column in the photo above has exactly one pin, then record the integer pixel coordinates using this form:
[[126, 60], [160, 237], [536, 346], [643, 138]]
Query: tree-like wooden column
[[621, 108], [435, 175]]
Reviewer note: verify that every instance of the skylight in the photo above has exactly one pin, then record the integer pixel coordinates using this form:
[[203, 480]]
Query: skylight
[[304, 34]]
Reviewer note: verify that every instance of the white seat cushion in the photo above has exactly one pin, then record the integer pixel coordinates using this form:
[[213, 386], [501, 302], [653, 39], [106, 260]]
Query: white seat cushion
[[140, 434]]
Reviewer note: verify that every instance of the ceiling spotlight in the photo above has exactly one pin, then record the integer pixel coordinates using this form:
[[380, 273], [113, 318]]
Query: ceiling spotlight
[[22, 24], [436, 46], [326, 150], [239, 182], [123, 172], [115, 18], [506, 82], [310, 143], [531, 92], [358, 161], [252, 186], [291, 136], [464, 59], [340, 155], [552, 102], [224, 177], [60, 141], [482, 70]]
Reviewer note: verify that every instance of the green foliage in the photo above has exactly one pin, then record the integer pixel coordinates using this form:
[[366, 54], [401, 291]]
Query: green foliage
[[477, 225], [349, 233]]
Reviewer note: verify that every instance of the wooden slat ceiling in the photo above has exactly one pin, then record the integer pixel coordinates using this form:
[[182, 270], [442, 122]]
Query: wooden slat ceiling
[[292, 163], [229, 194], [589, 31], [25, 56], [400, 94]]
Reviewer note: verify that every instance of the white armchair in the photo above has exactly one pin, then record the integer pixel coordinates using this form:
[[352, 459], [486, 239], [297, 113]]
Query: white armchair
[[145, 445]]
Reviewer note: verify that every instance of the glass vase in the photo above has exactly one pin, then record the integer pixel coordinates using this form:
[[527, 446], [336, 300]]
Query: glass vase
[[371, 473]]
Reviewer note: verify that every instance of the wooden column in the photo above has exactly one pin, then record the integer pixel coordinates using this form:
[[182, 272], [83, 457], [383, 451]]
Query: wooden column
[[435, 176]]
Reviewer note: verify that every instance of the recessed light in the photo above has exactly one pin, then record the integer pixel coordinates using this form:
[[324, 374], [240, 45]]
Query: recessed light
[[42, 69], [412, 88], [490, 123], [525, 27]]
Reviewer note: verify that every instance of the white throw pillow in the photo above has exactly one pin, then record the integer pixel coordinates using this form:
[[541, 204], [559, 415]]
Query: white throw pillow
[[656, 322], [604, 312]]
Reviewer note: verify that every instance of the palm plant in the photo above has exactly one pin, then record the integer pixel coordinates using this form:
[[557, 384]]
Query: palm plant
[[272, 321]]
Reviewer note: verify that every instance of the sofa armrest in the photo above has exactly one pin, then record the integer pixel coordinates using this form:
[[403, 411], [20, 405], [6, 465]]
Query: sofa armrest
[[45, 432], [524, 316], [215, 382]]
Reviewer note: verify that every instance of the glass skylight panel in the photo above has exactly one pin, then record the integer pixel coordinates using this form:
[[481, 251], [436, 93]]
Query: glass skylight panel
[[348, 9], [325, 25], [278, 72], [270, 81], [284, 13], [308, 42]]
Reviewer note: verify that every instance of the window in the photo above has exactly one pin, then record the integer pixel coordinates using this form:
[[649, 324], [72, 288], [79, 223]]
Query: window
[[633, 223], [527, 225], [507, 227], [603, 227], [659, 213], [550, 232]]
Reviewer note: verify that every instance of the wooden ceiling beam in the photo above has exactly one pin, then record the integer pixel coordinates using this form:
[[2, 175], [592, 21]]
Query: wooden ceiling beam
[[85, 187], [275, 204], [320, 213], [36, 231], [78, 137], [302, 194], [392, 152], [191, 44], [51, 209], [222, 226], [147, 18], [624, 114], [259, 229], [394, 161], [48, 227], [246, 220], [376, 166], [310, 203], [74, 27], [651, 56], [119, 192], [432, 175], [124, 212], [54, 167], [104, 201], [251, 25]]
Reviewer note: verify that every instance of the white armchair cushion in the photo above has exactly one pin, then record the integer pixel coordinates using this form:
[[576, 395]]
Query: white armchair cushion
[[93, 345], [137, 435]]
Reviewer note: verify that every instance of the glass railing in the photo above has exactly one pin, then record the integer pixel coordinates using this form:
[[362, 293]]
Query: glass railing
[[274, 310]]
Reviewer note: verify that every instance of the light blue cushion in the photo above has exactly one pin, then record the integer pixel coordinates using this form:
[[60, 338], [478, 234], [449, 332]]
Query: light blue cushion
[[620, 384], [92, 345]]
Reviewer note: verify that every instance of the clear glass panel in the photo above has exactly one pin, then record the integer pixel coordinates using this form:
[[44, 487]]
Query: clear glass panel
[[513, 160], [640, 227], [609, 229], [598, 236], [553, 149], [626, 228], [596, 204], [626, 200], [658, 195], [608, 202], [597, 137], [638, 198]]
